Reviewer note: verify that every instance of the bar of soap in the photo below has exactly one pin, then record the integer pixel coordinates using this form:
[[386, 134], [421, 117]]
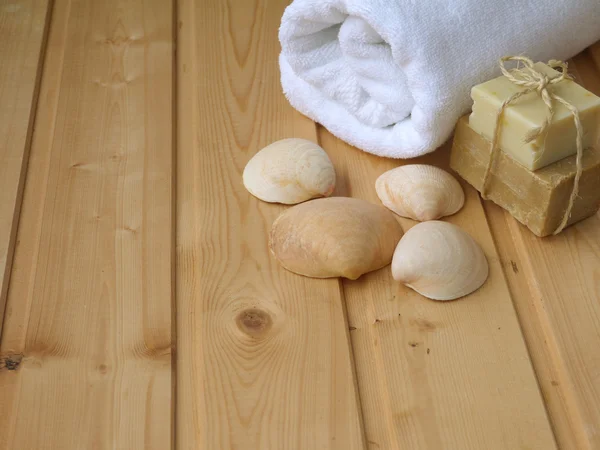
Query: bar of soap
[[528, 112], [536, 199]]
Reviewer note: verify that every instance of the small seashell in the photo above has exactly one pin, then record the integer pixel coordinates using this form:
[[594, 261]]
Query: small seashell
[[439, 261], [290, 171], [334, 237], [420, 192]]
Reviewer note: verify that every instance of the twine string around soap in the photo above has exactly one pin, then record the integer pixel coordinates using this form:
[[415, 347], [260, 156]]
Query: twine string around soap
[[534, 81]]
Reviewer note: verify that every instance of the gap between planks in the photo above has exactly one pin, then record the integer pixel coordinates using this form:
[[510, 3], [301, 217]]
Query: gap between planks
[[174, 169], [21, 49]]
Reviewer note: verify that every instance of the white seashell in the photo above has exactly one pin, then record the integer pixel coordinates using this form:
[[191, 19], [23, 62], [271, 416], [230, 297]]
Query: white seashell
[[335, 237], [420, 192], [290, 171], [439, 261]]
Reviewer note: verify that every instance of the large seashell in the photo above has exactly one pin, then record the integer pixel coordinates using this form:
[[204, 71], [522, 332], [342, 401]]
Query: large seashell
[[334, 237], [439, 261], [290, 171], [420, 192]]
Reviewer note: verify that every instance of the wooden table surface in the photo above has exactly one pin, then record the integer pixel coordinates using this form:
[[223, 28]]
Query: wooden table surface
[[142, 309]]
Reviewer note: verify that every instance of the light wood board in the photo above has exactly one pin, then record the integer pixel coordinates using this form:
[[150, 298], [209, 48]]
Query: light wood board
[[555, 283], [435, 375], [263, 358], [86, 347], [23, 27]]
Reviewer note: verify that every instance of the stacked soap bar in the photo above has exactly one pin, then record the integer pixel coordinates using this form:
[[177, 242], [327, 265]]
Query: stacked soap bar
[[531, 180], [528, 113], [536, 199]]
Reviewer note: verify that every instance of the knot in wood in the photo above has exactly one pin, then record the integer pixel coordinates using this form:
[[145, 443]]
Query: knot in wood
[[11, 362], [254, 322]]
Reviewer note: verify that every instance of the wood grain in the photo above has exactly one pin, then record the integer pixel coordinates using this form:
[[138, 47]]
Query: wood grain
[[263, 359], [555, 283], [23, 27], [451, 375], [86, 347]]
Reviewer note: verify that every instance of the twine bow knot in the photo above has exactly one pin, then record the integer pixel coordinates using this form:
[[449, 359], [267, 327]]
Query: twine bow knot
[[533, 80]]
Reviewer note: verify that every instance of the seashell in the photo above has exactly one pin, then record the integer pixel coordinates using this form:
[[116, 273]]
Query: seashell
[[439, 261], [420, 192], [334, 237], [290, 171]]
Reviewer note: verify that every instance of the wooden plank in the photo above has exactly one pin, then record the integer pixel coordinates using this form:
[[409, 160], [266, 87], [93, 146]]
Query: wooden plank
[[263, 357], [86, 347], [556, 291], [23, 27], [432, 374]]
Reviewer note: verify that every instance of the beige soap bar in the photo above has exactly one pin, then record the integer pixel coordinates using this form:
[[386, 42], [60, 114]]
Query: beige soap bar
[[528, 113], [536, 199]]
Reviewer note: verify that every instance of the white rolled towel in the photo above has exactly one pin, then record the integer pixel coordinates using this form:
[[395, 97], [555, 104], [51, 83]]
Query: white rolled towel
[[392, 77]]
